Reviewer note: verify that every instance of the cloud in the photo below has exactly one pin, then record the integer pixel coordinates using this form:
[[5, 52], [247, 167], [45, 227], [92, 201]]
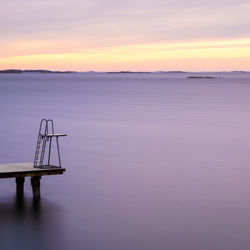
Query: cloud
[[139, 20]]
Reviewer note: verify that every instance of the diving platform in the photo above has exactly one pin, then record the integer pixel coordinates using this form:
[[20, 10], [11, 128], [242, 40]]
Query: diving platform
[[21, 170], [40, 167]]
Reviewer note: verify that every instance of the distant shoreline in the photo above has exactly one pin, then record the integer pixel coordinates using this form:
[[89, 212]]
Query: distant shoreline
[[128, 72], [43, 71], [19, 71], [202, 77]]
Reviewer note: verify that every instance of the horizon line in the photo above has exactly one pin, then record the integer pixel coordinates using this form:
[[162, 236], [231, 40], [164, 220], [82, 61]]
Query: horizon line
[[13, 70]]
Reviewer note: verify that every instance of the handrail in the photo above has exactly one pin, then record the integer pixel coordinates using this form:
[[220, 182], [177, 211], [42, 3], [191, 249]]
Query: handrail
[[45, 129], [52, 126]]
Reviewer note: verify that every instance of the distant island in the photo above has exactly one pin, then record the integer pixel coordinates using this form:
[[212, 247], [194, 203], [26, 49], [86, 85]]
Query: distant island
[[202, 77], [128, 72], [173, 72], [18, 71], [143, 72]]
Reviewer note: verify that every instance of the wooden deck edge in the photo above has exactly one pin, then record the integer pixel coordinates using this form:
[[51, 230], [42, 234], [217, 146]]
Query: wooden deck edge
[[32, 173]]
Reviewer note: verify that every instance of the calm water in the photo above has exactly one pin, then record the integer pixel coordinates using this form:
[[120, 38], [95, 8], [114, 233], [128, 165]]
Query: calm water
[[153, 162]]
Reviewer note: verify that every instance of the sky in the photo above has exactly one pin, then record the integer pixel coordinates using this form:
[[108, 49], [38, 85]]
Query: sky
[[110, 35]]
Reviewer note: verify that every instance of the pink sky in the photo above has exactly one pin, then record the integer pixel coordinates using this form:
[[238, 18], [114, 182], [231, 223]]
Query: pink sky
[[109, 35]]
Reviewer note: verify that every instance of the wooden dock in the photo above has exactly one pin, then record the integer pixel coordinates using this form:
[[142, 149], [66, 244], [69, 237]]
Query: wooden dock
[[22, 170]]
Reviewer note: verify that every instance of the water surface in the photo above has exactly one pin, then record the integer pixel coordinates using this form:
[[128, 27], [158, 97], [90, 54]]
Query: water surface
[[153, 161]]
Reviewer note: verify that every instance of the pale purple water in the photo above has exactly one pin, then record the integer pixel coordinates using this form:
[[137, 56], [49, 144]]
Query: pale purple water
[[153, 162]]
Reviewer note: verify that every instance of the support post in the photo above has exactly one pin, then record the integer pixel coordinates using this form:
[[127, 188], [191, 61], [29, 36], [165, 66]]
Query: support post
[[19, 186], [58, 151], [35, 183]]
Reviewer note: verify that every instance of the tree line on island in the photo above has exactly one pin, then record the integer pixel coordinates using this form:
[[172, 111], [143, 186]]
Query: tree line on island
[[18, 71]]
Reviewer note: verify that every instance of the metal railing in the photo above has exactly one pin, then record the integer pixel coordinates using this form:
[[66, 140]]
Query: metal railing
[[46, 134]]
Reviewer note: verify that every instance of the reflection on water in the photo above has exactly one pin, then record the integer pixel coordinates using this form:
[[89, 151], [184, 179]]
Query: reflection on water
[[152, 162], [20, 205], [28, 224]]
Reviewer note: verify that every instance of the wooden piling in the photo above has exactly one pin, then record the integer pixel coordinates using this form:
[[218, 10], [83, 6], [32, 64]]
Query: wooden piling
[[35, 183], [19, 186]]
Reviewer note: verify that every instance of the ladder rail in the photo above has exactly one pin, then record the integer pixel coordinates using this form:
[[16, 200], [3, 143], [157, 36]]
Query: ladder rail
[[39, 140], [42, 151]]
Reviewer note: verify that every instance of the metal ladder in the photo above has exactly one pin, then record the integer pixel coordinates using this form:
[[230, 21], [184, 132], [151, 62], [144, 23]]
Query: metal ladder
[[46, 134]]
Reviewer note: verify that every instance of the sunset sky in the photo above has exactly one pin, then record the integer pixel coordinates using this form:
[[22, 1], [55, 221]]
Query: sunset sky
[[106, 35]]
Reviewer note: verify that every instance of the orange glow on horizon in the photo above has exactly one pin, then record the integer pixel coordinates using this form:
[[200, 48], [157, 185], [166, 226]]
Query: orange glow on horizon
[[196, 55]]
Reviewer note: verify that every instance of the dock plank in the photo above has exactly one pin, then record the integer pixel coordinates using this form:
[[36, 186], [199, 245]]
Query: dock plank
[[12, 170]]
